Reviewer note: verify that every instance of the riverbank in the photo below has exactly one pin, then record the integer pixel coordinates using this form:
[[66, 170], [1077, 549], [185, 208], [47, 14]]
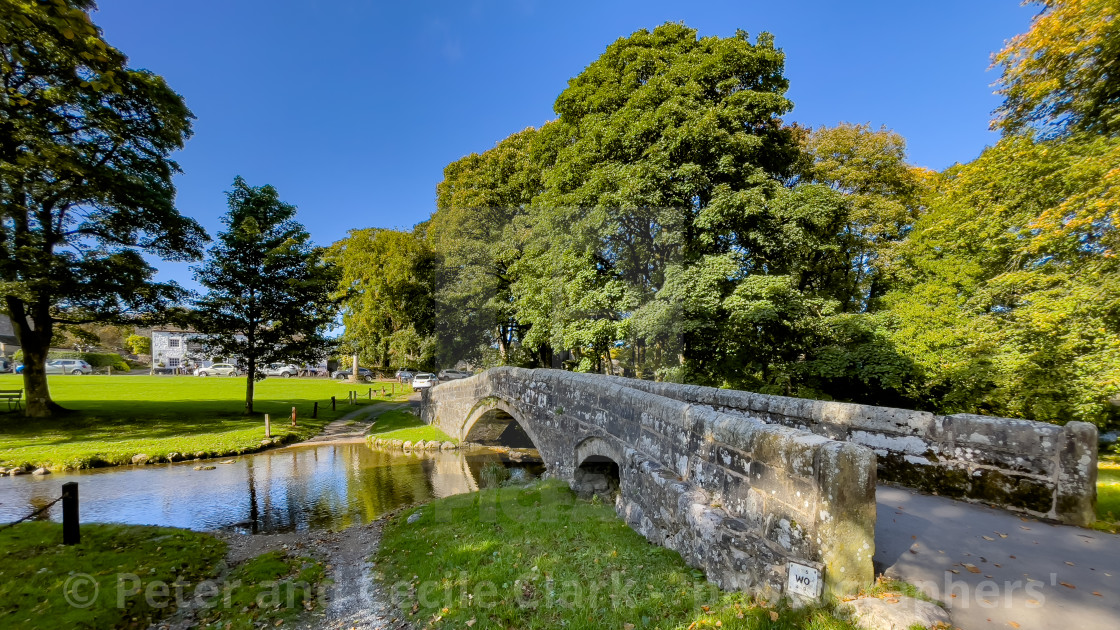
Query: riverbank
[[123, 420], [123, 576], [396, 427], [536, 557]]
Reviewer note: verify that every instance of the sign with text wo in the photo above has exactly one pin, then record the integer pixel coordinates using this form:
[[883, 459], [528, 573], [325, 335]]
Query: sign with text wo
[[804, 580]]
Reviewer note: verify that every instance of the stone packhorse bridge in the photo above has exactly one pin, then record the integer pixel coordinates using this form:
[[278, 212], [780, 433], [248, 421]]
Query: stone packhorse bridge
[[751, 488]]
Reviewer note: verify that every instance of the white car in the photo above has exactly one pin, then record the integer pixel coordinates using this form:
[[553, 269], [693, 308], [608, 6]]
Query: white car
[[424, 380], [283, 370], [218, 369]]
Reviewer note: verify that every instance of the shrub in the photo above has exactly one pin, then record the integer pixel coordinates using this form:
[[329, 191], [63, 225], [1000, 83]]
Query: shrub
[[95, 359]]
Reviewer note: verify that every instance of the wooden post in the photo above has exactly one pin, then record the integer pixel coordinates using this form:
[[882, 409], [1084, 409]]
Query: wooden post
[[110, 370], [70, 533], [315, 410], [293, 416], [267, 426], [332, 403], [371, 393]]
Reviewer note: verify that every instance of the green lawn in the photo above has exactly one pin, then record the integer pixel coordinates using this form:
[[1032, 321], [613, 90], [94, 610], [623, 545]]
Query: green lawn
[[37, 574], [401, 424], [1108, 496], [536, 557], [118, 417], [125, 576]]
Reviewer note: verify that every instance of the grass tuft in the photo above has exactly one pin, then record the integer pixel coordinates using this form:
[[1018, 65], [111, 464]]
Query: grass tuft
[[38, 572], [402, 424], [536, 557]]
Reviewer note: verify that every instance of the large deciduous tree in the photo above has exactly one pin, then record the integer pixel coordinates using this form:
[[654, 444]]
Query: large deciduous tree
[[386, 284], [85, 180], [1063, 75], [270, 292]]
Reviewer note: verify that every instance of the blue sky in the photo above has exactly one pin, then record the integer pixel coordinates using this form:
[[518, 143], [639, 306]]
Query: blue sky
[[352, 108]]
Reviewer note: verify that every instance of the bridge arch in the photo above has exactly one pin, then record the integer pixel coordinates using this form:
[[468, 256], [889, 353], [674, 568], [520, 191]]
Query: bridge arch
[[598, 469], [496, 422]]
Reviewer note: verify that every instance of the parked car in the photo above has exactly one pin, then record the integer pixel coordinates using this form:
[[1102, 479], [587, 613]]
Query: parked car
[[283, 370], [68, 366], [451, 375], [405, 375], [219, 369], [364, 374], [424, 380]]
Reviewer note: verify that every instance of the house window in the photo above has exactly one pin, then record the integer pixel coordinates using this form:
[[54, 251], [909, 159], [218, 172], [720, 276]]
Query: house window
[[173, 342], [173, 362]]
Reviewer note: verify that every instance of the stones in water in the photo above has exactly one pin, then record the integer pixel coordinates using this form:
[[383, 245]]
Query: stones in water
[[41, 472], [140, 459], [205, 467]]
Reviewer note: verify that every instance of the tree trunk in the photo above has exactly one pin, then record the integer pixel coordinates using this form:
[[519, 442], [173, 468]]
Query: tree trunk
[[250, 382], [35, 341]]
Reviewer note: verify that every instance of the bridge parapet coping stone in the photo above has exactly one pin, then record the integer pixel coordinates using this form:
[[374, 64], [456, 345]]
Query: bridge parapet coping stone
[[1035, 468]]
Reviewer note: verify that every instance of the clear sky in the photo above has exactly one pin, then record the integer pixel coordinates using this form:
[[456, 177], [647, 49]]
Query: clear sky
[[352, 108]]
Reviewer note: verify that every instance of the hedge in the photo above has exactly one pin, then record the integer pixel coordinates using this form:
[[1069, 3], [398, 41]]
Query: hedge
[[95, 359]]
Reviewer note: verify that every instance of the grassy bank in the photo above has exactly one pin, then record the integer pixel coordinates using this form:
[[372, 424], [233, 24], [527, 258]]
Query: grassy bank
[[119, 417], [1108, 496], [535, 557], [401, 424], [123, 576]]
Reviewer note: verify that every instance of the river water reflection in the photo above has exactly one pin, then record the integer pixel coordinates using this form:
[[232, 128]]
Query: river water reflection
[[323, 486]]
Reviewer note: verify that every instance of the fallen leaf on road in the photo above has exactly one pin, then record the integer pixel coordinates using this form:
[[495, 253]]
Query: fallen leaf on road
[[1067, 585], [1097, 594], [972, 568], [1034, 602], [1012, 624], [954, 571], [1026, 528], [1070, 563], [987, 538]]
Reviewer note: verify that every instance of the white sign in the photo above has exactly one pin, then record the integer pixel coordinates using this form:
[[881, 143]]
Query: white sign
[[804, 580]]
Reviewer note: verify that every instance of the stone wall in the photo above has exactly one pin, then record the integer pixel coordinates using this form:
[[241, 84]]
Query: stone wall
[[735, 496], [1035, 468]]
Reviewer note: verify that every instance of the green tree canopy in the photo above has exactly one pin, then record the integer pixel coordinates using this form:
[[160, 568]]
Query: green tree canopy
[[386, 287], [85, 180], [1063, 75]]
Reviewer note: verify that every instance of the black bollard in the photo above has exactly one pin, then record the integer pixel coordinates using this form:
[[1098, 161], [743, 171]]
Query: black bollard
[[332, 403], [70, 533], [315, 410]]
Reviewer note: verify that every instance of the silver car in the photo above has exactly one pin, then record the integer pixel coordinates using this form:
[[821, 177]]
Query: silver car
[[218, 369], [68, 366], [283, 370]]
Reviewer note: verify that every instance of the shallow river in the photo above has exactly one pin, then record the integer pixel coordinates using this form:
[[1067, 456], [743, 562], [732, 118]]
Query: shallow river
[[317, 486]]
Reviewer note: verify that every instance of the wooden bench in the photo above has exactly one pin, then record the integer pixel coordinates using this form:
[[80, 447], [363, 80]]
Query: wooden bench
[[12, 395]]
